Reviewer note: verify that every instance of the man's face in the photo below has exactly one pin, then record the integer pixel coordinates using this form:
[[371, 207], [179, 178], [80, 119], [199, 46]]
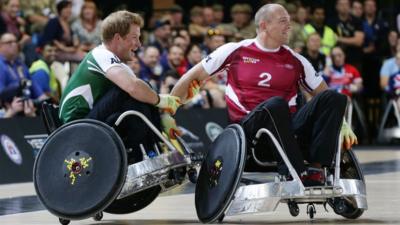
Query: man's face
[[175, 56], [343, 6], [278, 26], [49, 53], [216, 41], [129, 44], [357, 9], [151, 57], [240, 19], [163, 32], [13, 8], [9, 46], [370, 7], [181, 42], [319, 16]]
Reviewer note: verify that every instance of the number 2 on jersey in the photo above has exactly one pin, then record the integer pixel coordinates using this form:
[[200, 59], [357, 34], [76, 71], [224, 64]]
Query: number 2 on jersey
[[266, 77]]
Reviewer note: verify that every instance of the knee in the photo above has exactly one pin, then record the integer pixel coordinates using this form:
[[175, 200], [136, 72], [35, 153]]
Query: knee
[[276, 103], [333, 98]]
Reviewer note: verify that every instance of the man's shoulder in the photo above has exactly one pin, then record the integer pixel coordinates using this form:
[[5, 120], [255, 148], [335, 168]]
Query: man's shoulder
[[102, 55]]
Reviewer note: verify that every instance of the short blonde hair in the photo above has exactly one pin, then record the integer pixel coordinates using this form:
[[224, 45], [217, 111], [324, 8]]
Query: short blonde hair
[[119, 22]]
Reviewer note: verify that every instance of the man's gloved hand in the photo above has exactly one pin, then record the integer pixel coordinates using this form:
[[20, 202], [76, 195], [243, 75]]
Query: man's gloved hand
[[169, 126], [348, 136], [169, 103], [194, 89]]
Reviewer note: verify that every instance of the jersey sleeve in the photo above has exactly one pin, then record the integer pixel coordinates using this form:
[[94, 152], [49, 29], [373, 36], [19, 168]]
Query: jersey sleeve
[[311, 79], [105, 59], [219, 58]]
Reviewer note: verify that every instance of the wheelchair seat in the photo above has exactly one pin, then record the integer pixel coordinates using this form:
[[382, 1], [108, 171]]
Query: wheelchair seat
[[50, 117]]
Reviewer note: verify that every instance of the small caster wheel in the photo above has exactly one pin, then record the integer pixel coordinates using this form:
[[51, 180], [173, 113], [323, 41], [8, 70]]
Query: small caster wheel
[[221, 218], [192, 174], [293, 208], [311, 210], [340, 207], [98, 216], [64, 221]]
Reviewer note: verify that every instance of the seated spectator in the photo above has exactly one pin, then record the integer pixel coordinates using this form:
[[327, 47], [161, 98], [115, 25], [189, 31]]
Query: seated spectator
[[390, 66], [16, 25], [168, 81], [176, 13], [17, 106], [196, 26], [193, 56], [342, 77], [87, 29], [317, 24], [212, 41], [313, 54], [296, 37], [174, 60], [37, 14], [150, 69], [208, 16], [242, 26], [218, 14], [44, 75], [58, 31], [394, 84], [14, 76], [181, 42], [161, 36]]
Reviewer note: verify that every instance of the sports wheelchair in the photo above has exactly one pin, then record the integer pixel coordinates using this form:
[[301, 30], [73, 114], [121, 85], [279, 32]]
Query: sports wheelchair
[[389, 129], [224, 189], [83, 170]]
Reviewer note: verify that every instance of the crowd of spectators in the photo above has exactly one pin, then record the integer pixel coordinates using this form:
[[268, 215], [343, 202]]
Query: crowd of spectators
[[356, 50]]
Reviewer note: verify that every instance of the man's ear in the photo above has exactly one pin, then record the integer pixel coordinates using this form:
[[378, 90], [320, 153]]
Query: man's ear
[[117, 36], [263, 25]]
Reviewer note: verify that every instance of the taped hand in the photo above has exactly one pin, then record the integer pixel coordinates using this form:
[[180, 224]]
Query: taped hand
[[193, 90], [348, 136], [169, 103], [169, 126]]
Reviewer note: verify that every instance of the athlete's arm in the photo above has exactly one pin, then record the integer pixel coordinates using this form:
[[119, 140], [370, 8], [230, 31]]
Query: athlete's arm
[[195, 73], [321, 87], [135, 87]]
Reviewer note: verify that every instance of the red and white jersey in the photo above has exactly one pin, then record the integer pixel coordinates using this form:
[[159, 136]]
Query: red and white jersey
[[256, 74]]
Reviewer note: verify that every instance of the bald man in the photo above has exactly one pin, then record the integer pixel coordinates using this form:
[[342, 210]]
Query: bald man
[[264, 77]]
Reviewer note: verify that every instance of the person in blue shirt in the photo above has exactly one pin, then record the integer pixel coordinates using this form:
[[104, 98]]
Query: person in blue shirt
[[14, 76], [42, 73]]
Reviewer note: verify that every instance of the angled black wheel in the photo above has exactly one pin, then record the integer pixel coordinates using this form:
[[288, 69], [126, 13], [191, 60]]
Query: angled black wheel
[[220, 174], [350, 169], [134, 202], [80, 169]]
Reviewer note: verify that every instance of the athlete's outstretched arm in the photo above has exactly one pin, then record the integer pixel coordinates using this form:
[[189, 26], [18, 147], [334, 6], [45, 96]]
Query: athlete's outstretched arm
[[135, 87], [195, 73]]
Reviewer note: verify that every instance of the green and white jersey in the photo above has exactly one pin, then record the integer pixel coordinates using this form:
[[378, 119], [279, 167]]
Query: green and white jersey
[[88, 84]]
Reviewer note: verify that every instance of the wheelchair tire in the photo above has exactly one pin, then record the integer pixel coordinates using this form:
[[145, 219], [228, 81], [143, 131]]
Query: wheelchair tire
[[134, 202], [352, 213], [77, 176]]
